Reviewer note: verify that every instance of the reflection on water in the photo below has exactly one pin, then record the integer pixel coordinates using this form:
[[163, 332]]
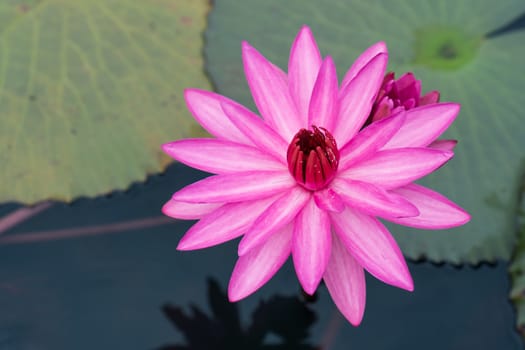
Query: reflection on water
[[286, 317]]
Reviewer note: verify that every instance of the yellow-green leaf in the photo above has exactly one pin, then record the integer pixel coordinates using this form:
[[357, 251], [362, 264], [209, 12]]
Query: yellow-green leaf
[[89, 89]]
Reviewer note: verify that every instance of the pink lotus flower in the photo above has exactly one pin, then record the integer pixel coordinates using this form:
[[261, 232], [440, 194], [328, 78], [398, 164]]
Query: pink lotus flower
[[308, 180]]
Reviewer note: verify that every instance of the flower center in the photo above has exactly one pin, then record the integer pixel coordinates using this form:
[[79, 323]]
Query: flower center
[[313, 158]]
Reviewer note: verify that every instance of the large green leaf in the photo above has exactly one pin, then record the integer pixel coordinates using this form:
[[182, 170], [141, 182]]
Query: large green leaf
[[445, 44], [89, 89]]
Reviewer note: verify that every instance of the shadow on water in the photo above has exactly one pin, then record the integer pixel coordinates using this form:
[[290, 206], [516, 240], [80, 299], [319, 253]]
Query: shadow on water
[[286, 317]]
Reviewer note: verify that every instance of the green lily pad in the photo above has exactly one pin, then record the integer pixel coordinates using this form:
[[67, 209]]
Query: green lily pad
[[89, 89], [445, 44]]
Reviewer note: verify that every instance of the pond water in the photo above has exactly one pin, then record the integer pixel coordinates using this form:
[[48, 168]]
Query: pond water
[[115, 287]]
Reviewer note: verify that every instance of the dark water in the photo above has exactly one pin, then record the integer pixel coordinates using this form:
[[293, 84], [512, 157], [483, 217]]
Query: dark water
[[516, 24], [118, 289]]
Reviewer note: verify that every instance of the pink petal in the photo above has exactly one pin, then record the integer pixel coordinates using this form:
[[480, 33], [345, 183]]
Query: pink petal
[[312, 241], [373, 247], [423, 125], [324, 102], [373, 200], [444, 145], [369, 140], [429, 98], [357, 98], [270, 92], [225, 223], [221, 157], [236, 187], [328, 200], [206, 108], [188, 211], [408, 87], [435, 210], [303, 66], [362, 61], [255, 268], [345, 281], [256, 130], [278, 215], [397, 167]]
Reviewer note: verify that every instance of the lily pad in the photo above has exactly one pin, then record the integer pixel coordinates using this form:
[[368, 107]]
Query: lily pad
[[89, 89], [446, 45]]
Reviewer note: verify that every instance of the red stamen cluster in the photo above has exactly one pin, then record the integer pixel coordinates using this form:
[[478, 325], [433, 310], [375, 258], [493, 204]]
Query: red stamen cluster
[[313, 158]]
